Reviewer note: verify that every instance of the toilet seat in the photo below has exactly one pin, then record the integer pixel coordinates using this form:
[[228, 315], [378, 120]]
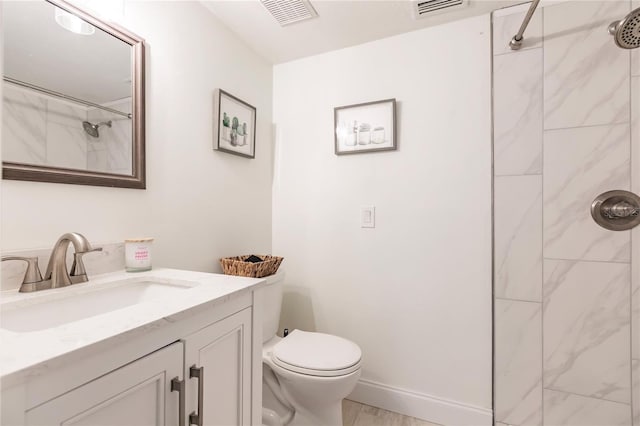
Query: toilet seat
[[316, 354]]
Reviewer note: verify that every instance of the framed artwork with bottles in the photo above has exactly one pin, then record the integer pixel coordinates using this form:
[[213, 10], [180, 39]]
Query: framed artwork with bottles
[[366, 127], [235, 130]]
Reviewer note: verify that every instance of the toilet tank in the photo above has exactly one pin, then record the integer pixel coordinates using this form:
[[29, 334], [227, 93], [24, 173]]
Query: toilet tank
[[272, 294]]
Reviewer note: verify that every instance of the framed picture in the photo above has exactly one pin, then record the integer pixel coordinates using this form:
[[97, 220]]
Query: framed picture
[[365, 127], [235, 130]]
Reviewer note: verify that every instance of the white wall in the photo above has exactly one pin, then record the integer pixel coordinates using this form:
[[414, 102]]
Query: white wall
[[199, 204], [415, 292]]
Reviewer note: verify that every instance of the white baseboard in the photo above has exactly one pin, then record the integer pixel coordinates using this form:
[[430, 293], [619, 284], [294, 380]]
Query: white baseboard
[[425, 407]]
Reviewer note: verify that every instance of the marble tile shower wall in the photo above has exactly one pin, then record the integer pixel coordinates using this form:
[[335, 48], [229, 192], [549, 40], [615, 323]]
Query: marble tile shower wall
[[567, 294], [33, 125]]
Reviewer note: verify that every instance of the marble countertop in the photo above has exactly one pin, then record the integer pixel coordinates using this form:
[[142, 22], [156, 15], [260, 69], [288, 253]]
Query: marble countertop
[[24, 350]]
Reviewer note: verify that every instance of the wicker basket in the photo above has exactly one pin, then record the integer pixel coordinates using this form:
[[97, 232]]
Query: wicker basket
[[237, 266]]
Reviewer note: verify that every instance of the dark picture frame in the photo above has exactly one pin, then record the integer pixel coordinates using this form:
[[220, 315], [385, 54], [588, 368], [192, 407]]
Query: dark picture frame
[[365, 127], [235, 125]]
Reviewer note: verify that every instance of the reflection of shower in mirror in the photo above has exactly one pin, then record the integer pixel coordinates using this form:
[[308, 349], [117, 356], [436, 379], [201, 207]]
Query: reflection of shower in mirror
[[92, 129], [97, 116]]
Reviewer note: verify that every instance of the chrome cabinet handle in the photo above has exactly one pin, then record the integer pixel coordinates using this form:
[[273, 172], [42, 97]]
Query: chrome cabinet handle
[[198, 373], [177, 385]]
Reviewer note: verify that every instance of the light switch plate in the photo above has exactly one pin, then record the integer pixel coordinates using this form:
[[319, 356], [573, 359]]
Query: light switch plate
[[368, 217]]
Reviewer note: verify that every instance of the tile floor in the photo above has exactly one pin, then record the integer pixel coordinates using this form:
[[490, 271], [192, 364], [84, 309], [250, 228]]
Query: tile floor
[[356, 414]]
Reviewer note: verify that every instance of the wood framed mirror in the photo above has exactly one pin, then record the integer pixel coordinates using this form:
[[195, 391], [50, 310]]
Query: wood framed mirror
[[73, 97]]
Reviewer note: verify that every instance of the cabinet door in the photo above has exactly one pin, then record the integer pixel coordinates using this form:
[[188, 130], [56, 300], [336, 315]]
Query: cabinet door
[[223, 353], [137, 394]]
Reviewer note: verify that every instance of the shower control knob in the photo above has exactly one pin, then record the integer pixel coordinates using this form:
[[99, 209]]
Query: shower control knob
[[616, 210], [619, 210]]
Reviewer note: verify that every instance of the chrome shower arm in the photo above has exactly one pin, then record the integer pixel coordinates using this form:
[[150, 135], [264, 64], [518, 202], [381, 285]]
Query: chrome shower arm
[[516, 41]]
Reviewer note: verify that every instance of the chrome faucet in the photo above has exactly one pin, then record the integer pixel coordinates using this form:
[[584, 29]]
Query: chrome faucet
[[57, 269], [57, 274]]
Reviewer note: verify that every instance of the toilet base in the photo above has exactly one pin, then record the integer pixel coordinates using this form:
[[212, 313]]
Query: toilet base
[[270, 418], [328, 415]]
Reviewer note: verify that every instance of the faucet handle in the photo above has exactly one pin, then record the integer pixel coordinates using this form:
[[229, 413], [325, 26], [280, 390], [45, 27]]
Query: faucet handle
[[78, 272], [32, 275]]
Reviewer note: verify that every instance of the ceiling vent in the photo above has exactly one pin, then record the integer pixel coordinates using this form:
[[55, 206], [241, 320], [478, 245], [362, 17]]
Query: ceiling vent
[[289, 11], [422, 9]]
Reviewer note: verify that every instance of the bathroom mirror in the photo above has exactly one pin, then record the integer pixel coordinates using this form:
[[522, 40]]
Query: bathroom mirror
[[73, 97]]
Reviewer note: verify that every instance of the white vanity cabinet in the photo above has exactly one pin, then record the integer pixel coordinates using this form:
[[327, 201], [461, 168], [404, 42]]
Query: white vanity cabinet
[[136, 394], [210, 342], [216, 365]]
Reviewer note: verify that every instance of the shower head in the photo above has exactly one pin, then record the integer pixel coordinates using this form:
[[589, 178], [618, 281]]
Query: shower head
[[626, 32], [92, 129]]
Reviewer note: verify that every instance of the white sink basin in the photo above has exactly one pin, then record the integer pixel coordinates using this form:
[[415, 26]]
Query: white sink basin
[[60, 308]]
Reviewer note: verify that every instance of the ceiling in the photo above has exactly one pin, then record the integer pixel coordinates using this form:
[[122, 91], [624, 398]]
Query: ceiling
[[339, 24]]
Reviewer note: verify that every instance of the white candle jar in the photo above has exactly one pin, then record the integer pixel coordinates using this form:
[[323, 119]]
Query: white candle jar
[[137, 254]]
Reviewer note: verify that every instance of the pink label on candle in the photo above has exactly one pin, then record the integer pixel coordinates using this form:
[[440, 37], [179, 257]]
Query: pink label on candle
[[141, 254]]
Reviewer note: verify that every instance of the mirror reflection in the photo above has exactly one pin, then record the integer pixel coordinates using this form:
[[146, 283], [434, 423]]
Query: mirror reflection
[[67, 94]]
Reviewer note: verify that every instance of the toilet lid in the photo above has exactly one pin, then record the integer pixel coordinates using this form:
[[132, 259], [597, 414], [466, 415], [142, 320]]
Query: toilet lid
[[317, 354]]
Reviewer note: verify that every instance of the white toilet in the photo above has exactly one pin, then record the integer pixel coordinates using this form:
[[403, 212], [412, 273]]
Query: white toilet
[[305, 375]]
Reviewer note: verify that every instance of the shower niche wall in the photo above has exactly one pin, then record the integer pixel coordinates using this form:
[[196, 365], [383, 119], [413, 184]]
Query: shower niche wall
[[567, 292]]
